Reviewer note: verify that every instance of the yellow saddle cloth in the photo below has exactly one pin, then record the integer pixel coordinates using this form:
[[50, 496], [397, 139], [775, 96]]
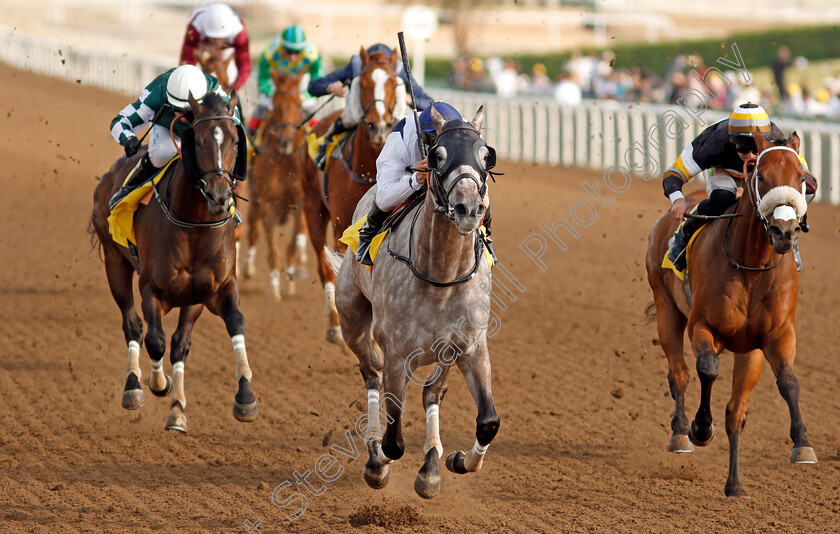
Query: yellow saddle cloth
[[350, 237], [313, 141], [121, 220], [668, 264]]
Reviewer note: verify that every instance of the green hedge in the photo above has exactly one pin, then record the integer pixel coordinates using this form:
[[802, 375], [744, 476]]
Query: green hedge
[[758, 49]]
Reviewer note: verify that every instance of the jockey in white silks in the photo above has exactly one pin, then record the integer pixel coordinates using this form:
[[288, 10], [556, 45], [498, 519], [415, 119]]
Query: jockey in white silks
[[401, 170]]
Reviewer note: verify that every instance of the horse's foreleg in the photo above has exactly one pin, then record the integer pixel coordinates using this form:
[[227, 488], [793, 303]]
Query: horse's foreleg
[[427, 483], [253, 236], [159, 383], [295, 251], [301, 238], [671, 325], [178, 357], [120, 275], [392, 446], [227, 306], [745, 376], [317, 218], [702, 431], [476, 371], [780, 353], [270, 221]]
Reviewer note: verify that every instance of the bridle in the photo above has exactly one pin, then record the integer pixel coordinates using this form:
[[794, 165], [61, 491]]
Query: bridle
[[755, 201]]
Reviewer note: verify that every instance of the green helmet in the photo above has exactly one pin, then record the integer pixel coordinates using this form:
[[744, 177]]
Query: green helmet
[[293, 38]]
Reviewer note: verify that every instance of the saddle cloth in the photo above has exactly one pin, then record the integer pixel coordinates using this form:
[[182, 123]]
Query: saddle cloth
[[121, 219], [668, 264], [350, 237], [313, 141]]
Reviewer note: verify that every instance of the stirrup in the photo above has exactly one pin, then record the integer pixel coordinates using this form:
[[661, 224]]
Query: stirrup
[[676, 253], [797, 257], [321, 157], [488, 243]]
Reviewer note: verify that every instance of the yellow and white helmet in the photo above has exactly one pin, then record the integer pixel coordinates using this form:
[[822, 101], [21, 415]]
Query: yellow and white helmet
[[747, 119], [184, 80], [218, 21]]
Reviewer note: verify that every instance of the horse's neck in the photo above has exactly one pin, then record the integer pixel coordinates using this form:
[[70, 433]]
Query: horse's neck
[[364, 154], [442, 253], [185, 201], [747, 242]]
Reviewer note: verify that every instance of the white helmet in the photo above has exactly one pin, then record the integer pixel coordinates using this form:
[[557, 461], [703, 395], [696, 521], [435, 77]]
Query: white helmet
[[184, 80], [218, 21]]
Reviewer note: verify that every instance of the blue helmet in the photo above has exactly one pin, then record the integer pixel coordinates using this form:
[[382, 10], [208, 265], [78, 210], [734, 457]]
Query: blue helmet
[[379, 47], [447, 112]]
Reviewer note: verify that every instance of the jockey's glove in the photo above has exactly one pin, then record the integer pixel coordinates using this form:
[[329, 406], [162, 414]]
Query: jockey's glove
[[132, 146]]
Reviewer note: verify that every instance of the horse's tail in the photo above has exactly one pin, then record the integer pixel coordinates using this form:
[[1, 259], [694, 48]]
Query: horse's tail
[[334, 259], [650, 312], [93, 237]]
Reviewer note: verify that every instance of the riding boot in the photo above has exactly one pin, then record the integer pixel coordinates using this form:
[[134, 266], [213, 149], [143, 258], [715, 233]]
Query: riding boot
[[335, 128], [368, 231], [141, 172], [803, 224], [487, 241], [679, 242]]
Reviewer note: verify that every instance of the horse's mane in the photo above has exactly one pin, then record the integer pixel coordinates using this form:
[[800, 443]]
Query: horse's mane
[[215, 102]]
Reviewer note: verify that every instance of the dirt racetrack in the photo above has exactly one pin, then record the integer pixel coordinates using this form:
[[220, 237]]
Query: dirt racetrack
[[580, 387]]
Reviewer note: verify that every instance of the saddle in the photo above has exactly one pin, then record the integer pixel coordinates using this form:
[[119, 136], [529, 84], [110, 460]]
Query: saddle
[[121, 219], [313, 141], [350, 237]]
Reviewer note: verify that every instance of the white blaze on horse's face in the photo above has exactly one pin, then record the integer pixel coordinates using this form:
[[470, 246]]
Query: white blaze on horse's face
[[380, 78], [219, 136]]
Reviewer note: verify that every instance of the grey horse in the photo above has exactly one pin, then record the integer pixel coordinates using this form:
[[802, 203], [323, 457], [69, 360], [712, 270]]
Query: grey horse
[[425, 302]]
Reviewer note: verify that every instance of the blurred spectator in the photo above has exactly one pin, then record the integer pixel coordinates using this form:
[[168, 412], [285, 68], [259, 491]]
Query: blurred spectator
[[540, 82], [779, 66], [567, 92]]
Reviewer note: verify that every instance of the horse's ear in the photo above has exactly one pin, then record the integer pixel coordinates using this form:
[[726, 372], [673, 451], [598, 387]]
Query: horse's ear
[[761, 143], [479, 119], [194, 105], [234, 100], [793, 141], [364, 56], [437, 119], [393, 58]]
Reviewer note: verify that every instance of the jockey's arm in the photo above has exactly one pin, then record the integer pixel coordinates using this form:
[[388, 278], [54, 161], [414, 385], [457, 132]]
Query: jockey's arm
[[423, 99], [318, 86], [395, 182], [242, 58], [133, 118], [190, 46], [264, 75]]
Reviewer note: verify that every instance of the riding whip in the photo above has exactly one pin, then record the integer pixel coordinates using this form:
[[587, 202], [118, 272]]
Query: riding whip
[[160, 112], [411, 90]]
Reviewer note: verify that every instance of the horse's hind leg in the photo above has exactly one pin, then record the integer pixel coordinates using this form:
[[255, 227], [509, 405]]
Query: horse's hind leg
[[317, 218], [427, 483], [295, 251], [253, 236], [120, 275], [671, 326], [178, 357], [270, 223], [745, 376], [476, 371], [702, 431], [780, 353]]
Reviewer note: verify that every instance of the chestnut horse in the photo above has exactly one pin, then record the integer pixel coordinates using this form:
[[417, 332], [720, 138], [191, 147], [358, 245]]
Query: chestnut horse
[[275, 188], [377, 98], [212, 61], [186, 256], [743, 299]]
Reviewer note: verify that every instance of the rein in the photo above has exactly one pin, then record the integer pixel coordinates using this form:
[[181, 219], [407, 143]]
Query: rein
[[479, 245]]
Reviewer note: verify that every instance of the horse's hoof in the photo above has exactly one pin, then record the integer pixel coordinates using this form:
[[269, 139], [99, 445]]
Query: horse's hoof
[[165, 391], [427, 486], [245, 412], [301, 272], [133, 397], [177, 419], [680, 444], [736, 491], [692, 435], [455, 463], [377, 476], [803, 455], [334, 335]]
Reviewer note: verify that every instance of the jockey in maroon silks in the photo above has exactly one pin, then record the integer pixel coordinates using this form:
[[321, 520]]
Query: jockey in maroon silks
[[218, 26]]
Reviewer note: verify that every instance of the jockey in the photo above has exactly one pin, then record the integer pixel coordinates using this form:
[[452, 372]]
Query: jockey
[[335, 82], [217, 26], [400, 172], [722, 148], [170, 90], [291, 53]]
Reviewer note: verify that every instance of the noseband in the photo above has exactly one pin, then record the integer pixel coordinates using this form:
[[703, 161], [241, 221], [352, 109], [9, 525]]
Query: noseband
[[462, 150]]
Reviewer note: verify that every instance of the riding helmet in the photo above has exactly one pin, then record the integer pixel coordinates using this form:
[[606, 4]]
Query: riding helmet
[[182, 81], [746, 119], [447, 112], [219, 21], [293, 38]]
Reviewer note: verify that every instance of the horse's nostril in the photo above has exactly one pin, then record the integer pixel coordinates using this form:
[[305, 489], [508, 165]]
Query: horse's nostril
[[460, 210]]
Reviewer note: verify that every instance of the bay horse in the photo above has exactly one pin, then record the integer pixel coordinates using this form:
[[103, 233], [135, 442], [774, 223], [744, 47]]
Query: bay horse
[[377, 98], [275, 187], [743, 299], [215, 62], [186, 256], [426, 302]]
